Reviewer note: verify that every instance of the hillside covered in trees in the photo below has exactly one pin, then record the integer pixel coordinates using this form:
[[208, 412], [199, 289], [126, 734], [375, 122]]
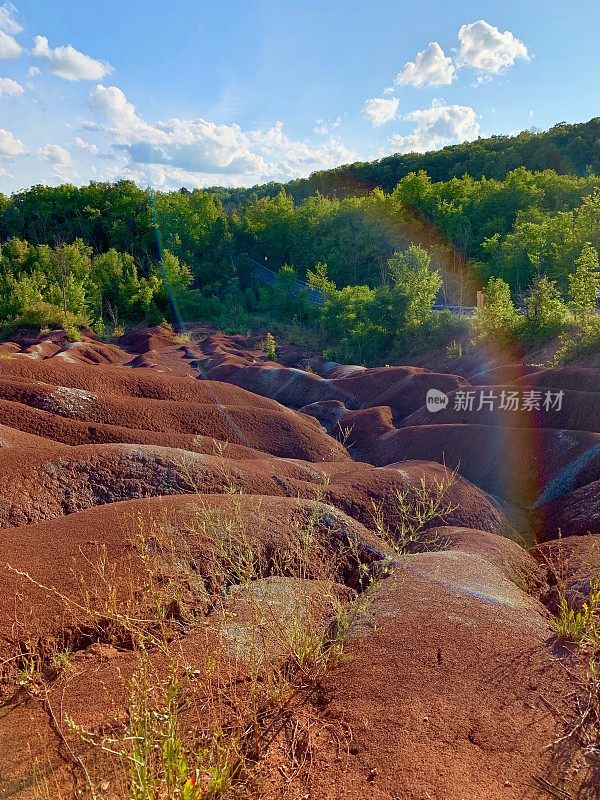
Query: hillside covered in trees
[[565, 148], [379, 240]]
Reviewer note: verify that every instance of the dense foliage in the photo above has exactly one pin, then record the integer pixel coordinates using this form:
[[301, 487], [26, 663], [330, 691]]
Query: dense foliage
[[565, 149], [443, 225]]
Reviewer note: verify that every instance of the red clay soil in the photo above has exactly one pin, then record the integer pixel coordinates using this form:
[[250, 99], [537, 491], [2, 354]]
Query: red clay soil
[[572, 565], [142, 340], [129, 383], [575, 378], [402, 389], [573, 514], [361, 491], [443, 691], [32, 421], [13, 437], [451, 686], [46, 484], [494, 458], [274, 430], [60, 553], [508, 373]]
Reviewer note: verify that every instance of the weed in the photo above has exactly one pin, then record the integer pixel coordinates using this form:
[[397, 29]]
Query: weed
[[454, 350], [415, 509], [199, 729], [580, 625], [577, 621], [345, 433], [270, 347]]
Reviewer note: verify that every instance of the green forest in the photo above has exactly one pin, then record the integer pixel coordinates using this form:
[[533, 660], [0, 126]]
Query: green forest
[[516, 217]]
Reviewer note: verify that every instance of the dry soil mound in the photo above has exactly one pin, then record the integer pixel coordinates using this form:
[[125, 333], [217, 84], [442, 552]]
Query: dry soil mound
[[139, 494]]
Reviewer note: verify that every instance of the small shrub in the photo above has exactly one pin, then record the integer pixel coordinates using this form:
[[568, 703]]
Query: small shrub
[[270, 347], [584, 282], [417, 508], [431, 335], [499, 319], [45, 316], [73, 332], [547, 313], [578, 341], [582, 625], [454, 350]]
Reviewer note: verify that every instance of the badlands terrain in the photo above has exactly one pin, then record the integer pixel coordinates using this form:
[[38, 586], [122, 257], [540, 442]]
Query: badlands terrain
[[223, 576]]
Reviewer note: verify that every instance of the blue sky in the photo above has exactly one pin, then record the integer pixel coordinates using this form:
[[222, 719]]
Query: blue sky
[[195, 93]]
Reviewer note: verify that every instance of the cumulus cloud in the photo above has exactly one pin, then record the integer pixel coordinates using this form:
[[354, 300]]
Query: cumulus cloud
[[87, 147], [9, 47], [381, 109], [10, 88], [128, 126], [60, 160], [10, 146], [437, 126], [33, 72], [208, 151], [483, 47], [290, 157], [69, 63], [55, 154], [431, 67]]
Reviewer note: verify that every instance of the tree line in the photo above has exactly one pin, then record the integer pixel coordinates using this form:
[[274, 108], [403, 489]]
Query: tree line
[[105, 255], [564, 148]]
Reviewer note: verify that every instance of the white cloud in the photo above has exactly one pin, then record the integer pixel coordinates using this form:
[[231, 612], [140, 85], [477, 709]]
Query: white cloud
[[60, 160], [483, 47], [9, 47], [290, 157], [33, 72], [10, 88], [8, 22], [437, 126], [431, 67], [199, 152], [90, 125], [381, 110], [69, 63], [87, 147], [128, 126], [55, 154], [10, 146], [322, 128]]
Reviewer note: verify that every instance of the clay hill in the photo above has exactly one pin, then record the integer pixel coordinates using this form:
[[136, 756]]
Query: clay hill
[[226, 577]]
